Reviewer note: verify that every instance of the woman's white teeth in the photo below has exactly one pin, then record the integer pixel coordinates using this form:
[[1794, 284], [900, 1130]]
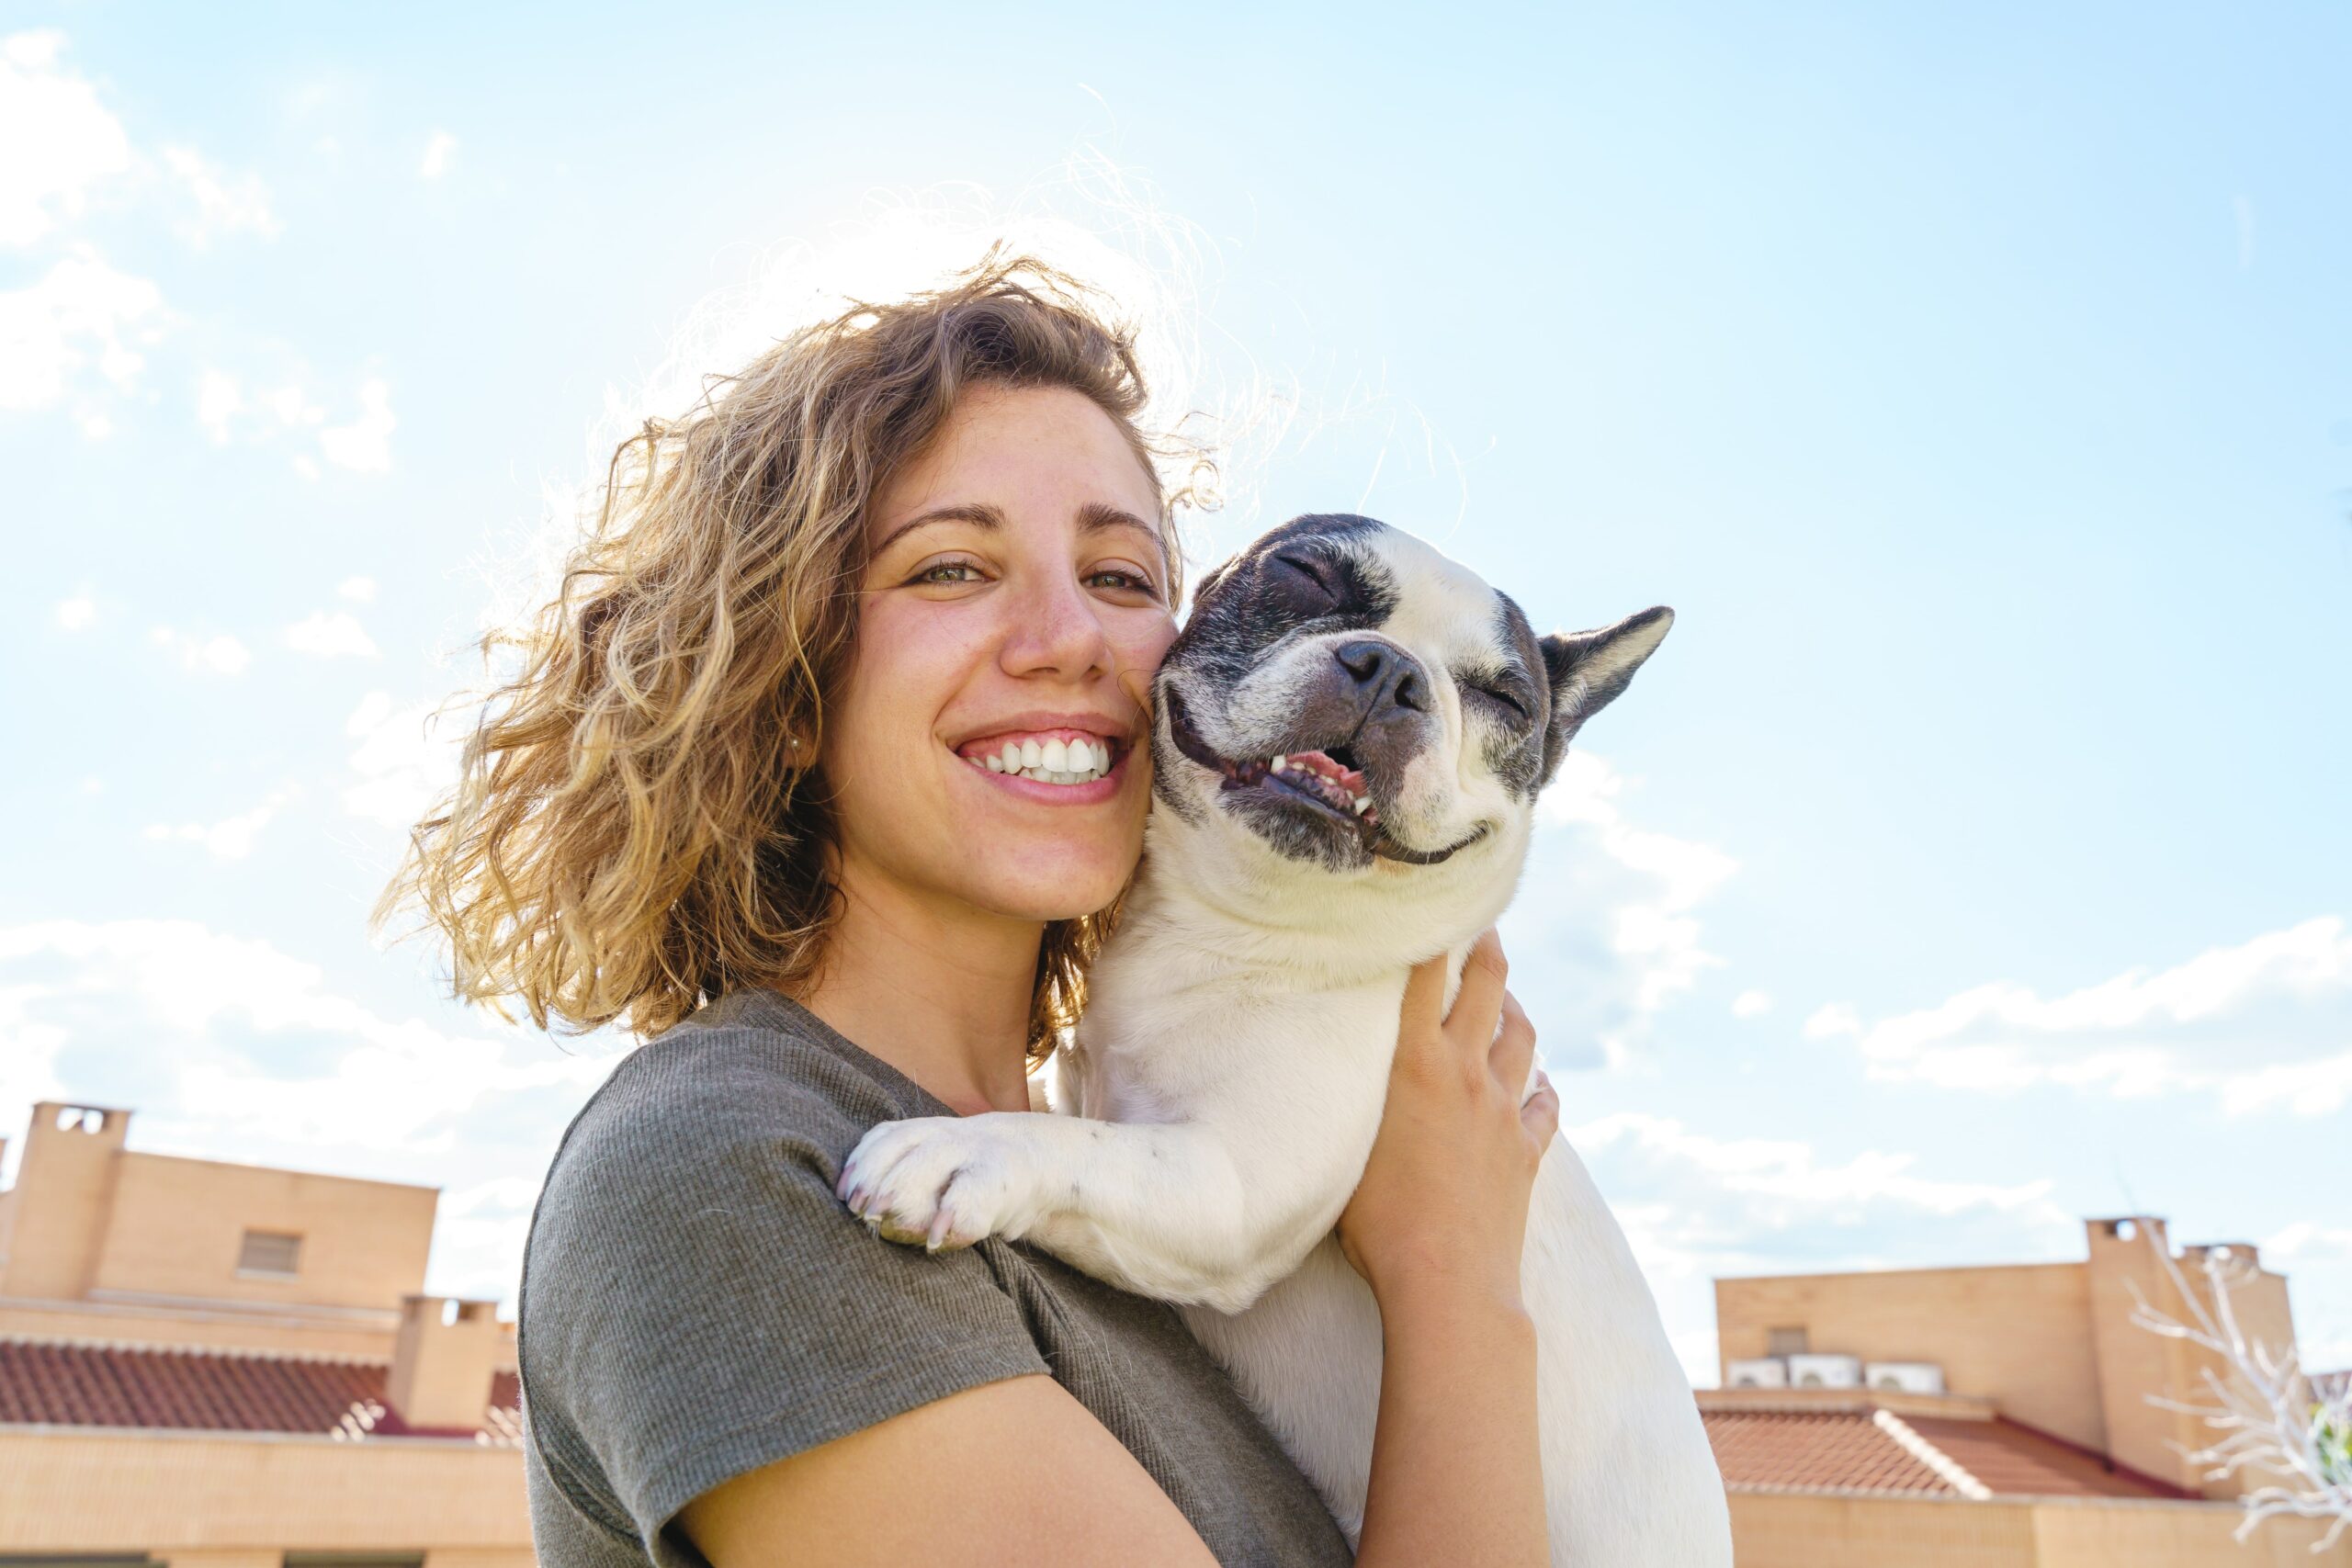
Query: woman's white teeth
[[1053, 762]]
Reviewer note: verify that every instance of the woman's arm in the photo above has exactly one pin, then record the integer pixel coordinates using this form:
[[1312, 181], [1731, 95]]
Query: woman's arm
[[1018, 1472], [1011, 1472], [1436, 1228]]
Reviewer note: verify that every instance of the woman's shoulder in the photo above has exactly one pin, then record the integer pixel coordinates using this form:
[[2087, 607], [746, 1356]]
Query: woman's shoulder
[[752, 1065], [695, 1300]]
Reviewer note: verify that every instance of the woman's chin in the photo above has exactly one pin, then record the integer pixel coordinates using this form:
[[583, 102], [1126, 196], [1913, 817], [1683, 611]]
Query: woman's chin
[[1067, 894]]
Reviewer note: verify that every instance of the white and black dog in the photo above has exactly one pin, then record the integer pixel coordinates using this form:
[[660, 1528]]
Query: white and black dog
[[1349, 737]]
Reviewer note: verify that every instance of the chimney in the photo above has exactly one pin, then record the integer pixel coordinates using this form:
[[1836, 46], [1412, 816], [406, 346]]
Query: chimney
[[442, 1362], [61, 1200]]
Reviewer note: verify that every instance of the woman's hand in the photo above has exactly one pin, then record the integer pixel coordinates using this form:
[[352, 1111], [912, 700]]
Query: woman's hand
[[1436, 1227], [1442, 1205]]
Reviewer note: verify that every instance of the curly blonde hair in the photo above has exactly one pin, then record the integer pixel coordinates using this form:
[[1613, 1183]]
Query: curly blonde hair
[[632, 833]]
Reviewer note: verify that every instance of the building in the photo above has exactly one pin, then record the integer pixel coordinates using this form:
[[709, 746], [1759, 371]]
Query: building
[[2000, 1417], [211, 1365]]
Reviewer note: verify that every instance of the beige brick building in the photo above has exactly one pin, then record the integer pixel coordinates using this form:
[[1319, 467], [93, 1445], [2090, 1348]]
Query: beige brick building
[[234, 1367], [1996, 1417]]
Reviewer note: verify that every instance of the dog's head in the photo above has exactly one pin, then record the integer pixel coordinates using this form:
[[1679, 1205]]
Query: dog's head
[[1347, 705]]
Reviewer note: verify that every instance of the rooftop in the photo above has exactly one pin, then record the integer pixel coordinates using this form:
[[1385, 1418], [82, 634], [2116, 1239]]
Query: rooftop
[[1813, 1440], [152, 1388]]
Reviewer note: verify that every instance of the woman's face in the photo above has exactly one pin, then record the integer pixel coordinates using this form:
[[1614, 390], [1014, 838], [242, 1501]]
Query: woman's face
[[1010, 617]]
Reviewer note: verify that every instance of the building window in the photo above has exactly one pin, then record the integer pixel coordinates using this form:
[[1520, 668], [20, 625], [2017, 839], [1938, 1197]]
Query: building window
[[274, 1253], [1785, 1341]]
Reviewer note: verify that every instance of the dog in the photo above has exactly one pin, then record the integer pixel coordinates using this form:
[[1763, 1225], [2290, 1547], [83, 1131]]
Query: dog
[[1348, 740]]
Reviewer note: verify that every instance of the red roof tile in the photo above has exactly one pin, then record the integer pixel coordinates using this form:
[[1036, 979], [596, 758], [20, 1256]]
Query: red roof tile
[[1812, 1450], [58, 1383], [2013, 1459], [1851, 1450]]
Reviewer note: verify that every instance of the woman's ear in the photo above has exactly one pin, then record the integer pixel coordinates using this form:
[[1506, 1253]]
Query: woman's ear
[[1588, 668]]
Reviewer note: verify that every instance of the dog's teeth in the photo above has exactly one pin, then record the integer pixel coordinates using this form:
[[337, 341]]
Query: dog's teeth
[[1362, 804], [1280, 763]]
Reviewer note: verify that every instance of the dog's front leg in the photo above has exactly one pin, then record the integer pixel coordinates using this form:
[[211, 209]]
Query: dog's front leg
[[1163, 1210]]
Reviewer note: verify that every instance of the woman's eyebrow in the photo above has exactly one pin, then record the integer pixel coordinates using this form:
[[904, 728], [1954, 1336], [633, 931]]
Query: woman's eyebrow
[[1092, 518], [1096, 515], [979, 514]]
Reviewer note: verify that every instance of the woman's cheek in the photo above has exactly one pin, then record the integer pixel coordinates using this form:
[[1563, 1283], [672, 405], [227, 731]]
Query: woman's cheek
[[1143, 641]]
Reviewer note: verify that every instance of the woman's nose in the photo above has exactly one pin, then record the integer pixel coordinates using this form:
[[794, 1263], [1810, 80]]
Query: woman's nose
[[1056, 629]]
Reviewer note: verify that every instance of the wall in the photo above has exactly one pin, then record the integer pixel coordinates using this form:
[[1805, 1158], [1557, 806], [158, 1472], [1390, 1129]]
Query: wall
[[64, 1491], [177, 1224], [2021, 1333], [1812, 1529]]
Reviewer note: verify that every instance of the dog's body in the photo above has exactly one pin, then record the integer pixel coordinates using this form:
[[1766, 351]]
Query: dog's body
[[1228, 1078]]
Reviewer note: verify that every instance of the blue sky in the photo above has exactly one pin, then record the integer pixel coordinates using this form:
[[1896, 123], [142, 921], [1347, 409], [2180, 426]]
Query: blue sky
[[1978, 387]]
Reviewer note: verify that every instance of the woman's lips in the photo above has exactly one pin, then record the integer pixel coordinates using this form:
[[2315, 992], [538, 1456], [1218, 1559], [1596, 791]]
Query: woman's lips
[[1036, 781]]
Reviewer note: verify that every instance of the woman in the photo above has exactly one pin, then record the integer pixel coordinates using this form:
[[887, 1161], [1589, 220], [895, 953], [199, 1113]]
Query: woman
[[731, 802]]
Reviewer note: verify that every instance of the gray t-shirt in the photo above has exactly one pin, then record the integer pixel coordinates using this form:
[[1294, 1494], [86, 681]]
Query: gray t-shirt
[[696, 1303]]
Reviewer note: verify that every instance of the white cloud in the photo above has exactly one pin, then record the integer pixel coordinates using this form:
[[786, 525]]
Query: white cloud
[[406, 757], [292, 406], [76, 613], [365, 446], [359, 590], [331, 633], [228, 412], [228, 1047], [225, 204], [57, 141], [1604, 933], [232, 837], [1695, 1207], [438, 153], [82, 313], [2305, 1243], [1752, 1004], [218, 401], [2267, 1023], [221, 655]]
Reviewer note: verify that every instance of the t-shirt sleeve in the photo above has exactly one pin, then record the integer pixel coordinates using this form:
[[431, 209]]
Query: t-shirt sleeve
[[697, 1303]]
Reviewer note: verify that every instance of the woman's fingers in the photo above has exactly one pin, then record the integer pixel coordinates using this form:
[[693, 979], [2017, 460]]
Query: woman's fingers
[[1514, 1050], [1478, 1005], [1540, 1115], [1424, 1010]]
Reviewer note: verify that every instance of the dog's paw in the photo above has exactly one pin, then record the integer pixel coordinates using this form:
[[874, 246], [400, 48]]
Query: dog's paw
[[936, 1181]]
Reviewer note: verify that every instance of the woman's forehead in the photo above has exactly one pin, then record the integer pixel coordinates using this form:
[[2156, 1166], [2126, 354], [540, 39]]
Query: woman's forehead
[[1035, 457]]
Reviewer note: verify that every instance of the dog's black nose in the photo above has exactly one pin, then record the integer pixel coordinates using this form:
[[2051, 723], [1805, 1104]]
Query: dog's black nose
[[1384, 670]]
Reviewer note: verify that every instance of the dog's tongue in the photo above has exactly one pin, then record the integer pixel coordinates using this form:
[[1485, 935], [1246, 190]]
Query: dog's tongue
[[1349, 779]]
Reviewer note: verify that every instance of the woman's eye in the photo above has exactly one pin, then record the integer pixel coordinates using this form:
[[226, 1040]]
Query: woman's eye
[[1120, 577], [948, 572]]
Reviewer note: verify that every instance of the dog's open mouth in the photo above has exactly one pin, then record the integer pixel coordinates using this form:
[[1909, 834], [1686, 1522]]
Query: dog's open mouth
[[1326, 778], [1330, 779]]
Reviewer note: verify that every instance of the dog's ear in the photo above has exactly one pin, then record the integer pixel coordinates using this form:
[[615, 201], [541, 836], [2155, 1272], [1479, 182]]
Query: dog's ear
[[1588, 668]]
